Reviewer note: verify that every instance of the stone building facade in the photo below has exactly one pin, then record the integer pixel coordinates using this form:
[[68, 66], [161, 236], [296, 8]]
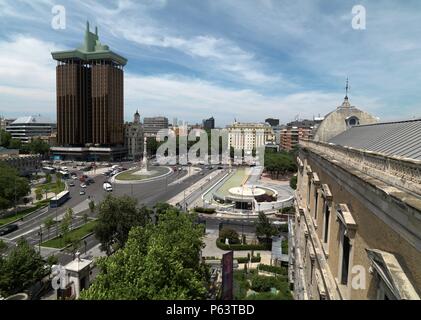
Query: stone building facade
[[356, 233]]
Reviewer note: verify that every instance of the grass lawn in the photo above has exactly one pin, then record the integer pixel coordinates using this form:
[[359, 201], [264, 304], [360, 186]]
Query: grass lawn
[[236, 180], [23, 213], [77, 233], [51, 187], [129, 174]]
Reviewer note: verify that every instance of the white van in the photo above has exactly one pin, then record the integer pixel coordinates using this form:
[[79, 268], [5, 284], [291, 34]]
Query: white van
[[107, 187]]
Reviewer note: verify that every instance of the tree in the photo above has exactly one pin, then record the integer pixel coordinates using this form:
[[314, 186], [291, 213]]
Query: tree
[[92, 206], [159, 261], [48, 223], [22, 268], [230, 234], [69, 216], [264, 228], [38, 194], [116, 216], [48, 178], [3, 247], [15, 144], [5, 138], [38, 146], [293, 182], [85, 218], [12, 187]]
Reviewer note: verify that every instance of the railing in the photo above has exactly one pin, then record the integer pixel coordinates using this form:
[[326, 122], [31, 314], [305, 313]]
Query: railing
[[397, 171]]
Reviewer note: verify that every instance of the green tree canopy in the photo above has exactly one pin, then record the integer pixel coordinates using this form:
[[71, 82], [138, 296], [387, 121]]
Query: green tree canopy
[[116, 216], [21, 268], [264, 228], [38, 146], [279, 163], [15, 144], [5, 138], [12, 186], [159, 261]]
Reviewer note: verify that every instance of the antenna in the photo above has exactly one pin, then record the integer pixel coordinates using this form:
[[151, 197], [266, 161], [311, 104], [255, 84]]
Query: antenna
[[347, 87]]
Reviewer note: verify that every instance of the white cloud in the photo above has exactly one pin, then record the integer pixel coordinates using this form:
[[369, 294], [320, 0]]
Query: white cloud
[[27, 75], [194, 99]]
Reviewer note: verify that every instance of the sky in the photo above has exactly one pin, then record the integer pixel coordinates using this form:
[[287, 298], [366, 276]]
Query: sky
[[231, 59]]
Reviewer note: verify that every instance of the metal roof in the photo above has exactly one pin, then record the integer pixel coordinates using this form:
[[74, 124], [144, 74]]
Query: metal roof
[[32, 119], [401, 138]]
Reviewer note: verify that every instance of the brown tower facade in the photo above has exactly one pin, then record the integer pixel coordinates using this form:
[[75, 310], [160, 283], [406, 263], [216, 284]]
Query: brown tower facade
[[90, 102]]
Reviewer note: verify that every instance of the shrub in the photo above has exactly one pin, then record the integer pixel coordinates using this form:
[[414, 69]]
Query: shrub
[[241, 247], [246, 259], [287, 210], [273, 269], [262, 283], [293, 182], [230, 234]]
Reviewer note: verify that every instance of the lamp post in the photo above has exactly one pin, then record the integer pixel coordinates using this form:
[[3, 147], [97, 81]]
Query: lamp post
[[40, 238]]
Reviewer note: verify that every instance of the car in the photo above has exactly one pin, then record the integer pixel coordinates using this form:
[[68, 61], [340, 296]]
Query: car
[[82, 185], [8, 229], [71, 184], [82, 192]]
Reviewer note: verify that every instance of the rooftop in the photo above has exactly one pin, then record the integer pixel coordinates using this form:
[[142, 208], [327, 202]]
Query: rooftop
[[32, 119], [399, 139], [92, 49]]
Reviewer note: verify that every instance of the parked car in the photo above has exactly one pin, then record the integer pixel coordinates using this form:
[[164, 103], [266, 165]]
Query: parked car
[[71, 184], [82, 192], [8, 229], [82, 185]]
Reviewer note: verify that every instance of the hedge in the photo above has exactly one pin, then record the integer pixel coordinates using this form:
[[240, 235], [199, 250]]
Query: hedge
[[273, 269], [246, 259], [204, 210], [241, 247]]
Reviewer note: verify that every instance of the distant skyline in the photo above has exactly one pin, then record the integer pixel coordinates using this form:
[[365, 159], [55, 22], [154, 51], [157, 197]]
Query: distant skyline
[[247, 59]]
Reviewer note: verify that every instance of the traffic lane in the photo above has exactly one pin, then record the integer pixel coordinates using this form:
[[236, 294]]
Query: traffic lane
[[175, 189], [35, 222]]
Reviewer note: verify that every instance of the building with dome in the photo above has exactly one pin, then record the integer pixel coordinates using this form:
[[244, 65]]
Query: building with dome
[[133, 137], [344, 117]]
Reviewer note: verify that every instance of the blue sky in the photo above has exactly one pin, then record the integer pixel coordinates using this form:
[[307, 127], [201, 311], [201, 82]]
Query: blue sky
[[243, 59]]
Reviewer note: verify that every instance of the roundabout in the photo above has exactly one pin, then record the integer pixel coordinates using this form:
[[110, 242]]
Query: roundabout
[[138, 175]]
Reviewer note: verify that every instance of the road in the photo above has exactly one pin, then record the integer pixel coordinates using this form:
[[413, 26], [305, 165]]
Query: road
[[147, 193]]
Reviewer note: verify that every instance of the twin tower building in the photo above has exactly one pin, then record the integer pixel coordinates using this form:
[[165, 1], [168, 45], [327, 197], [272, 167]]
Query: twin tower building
[[90, 102]]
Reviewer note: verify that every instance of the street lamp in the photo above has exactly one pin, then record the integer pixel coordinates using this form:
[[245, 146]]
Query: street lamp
[[40, 238]]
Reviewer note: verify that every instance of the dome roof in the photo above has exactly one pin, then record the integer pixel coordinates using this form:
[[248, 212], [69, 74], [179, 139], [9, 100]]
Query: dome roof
[[341, 119]]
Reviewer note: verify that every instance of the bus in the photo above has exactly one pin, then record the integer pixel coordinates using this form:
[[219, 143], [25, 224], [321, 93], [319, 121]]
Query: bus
[[64, 174], [49, 170], [59, 199]]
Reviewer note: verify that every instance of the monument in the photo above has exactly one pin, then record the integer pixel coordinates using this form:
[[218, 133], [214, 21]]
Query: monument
[[144, 165]]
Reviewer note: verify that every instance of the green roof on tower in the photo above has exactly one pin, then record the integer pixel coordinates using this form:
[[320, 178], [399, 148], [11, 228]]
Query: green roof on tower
[[92, 49]]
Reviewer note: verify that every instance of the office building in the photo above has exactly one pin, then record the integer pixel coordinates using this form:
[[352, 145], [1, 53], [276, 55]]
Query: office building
[[90, 101], [209, 124], [272, 122], [152, 125], [27, 128], [133, 136], [249, 136]]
